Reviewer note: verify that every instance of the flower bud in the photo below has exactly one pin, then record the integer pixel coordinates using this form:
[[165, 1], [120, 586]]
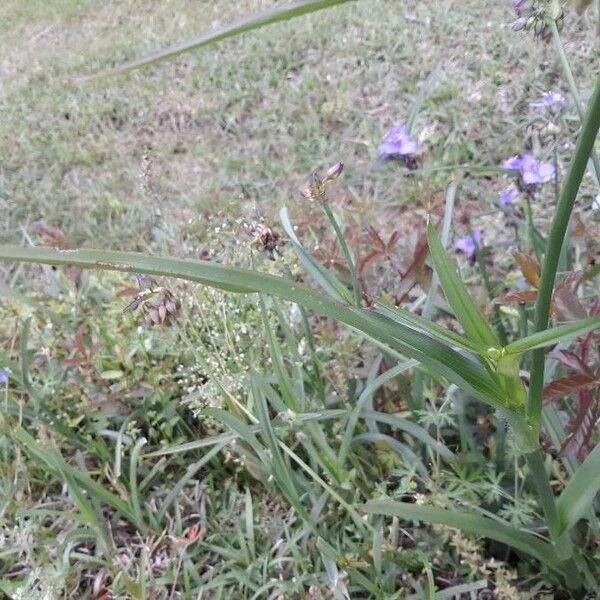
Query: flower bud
[[334, 172]]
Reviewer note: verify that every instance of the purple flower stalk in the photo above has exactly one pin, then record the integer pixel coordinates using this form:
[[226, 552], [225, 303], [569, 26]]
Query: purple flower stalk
[[533, 172], [509, 196], [549, 101], [4, 373], [469, 244], [398, 142]]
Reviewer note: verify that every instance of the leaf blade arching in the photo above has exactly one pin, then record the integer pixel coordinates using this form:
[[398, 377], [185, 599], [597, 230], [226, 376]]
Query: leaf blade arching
[[470, 523], [477, 329], [268, 17], [457, 368]]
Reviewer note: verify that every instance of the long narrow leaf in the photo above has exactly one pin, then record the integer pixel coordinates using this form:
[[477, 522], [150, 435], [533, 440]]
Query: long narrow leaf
[[267, 17], [280, 470], [465, 309], [557, 334], [581, 490], [470, 523], [405, 317], [233, 435], [457, 368], [326, 280]]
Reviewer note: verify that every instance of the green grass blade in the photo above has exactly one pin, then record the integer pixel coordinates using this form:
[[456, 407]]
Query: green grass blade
[[381, 439], [465, 309], [134, 495], [470, 523], [413, 430], [233, 435], [325, 279], [190, 472], [457, 368], [364, 397], [577, 497], [284, 382], [280, 470], [58, 467], [557, 334], [405, 317], [267, 17]]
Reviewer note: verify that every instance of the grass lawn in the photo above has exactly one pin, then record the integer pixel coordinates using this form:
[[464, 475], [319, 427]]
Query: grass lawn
[[194, 158]]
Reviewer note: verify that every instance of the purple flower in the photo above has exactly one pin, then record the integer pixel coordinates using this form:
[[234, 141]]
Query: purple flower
[[549, 100], [398, 142], [532, 171], [469, 244], [4, 373], [519, 5], [509, 196]]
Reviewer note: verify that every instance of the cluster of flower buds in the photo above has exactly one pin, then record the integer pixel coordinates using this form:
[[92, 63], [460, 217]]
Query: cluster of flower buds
[[157, 302], [316, 187], [537, 15]]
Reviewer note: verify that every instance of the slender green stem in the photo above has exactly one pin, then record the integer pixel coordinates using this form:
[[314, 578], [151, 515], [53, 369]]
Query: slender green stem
[[558, 230], [566, 67], [346, 251], [535, 461], [562, 543]]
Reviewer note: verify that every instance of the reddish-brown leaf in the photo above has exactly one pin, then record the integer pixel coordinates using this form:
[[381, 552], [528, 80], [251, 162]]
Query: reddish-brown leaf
[[369, 260], [567, 385], [128, 292], [571, 360], [518, 297], [53, 236], [391, 243], [570, 279], [530, 268], [376, 239], [78, 340], [566, 305], [580, 443]]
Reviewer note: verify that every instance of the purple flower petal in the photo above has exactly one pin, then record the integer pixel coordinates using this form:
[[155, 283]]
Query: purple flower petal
[[4, 373], [533, 172], [509, 196], [397, 142], [514, 163], [549, 100], [469, 244]]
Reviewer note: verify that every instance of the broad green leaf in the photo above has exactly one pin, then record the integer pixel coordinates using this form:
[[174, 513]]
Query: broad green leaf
[[557, 334], [267, 17], [477, 329], [470, 523], [577, 497], [458, 368]]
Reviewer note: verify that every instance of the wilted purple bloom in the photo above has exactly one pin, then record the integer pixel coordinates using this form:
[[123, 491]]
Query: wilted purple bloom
[[550, 100], [4, 373], [509, 196], [398, 142], [532, 171], [469, 244]]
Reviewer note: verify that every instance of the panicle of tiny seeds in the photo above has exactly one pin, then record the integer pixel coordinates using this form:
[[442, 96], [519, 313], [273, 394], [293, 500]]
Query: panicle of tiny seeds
[[158, 303]]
